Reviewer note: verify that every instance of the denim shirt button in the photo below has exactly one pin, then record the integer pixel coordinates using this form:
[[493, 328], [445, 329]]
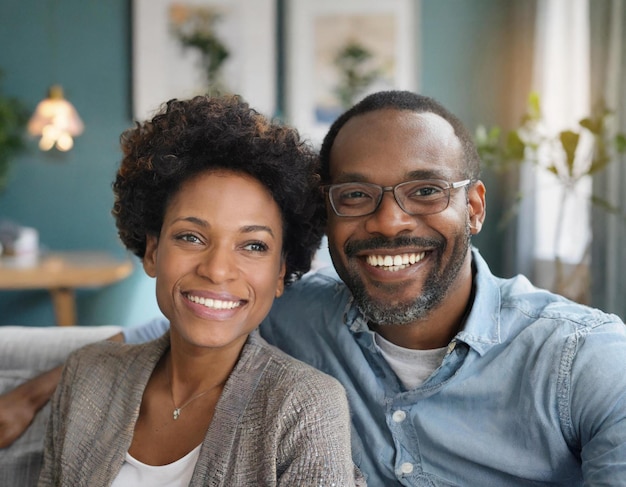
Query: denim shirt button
[[398, 416], [406, 468]]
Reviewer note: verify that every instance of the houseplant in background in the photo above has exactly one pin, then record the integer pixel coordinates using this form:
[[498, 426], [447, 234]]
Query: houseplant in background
[[569, 156], [357, 71], [196, 28], [13, 117]]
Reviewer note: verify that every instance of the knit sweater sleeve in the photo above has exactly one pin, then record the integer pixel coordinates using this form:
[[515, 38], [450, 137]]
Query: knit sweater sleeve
[[315, 441], [50, 472]]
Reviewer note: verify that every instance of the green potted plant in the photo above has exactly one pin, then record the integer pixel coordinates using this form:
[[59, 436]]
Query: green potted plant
[[356, 73], [562, 155], [196, 28], [13, 117]]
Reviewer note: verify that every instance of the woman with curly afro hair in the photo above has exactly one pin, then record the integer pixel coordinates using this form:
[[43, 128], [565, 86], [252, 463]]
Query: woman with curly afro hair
[[223, 207]]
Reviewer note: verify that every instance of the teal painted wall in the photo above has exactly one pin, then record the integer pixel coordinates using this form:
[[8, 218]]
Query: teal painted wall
[[85, 46], [473, 59]]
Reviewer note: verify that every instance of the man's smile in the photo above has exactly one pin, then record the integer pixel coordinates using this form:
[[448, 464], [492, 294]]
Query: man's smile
[[394, 263]]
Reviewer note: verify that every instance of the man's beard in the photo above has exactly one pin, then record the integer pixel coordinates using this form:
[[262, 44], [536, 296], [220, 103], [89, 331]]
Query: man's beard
[[435, 288]]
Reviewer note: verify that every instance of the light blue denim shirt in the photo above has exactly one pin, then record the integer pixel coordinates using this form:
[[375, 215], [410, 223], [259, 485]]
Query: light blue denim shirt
[[532, 391]]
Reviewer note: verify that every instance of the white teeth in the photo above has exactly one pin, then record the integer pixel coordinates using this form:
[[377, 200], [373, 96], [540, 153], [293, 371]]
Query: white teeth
[[395, 262], [213, 303]]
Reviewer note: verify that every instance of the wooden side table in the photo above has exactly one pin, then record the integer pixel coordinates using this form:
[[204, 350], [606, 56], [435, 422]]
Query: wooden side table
[[61, 273]]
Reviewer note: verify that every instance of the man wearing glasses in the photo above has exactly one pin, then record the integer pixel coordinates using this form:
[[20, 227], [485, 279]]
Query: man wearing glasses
[[454, 376]]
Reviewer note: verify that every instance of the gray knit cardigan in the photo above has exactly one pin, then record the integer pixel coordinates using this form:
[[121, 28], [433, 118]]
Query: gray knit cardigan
[[278, 421]]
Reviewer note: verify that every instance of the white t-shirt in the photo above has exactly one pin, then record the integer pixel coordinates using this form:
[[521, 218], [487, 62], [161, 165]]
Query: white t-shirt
[[134, 473], [412, 367]]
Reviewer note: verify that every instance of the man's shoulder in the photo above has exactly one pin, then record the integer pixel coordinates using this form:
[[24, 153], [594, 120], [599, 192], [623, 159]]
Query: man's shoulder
[[507, 307], [541, 304], [314, 289], [308, 315]]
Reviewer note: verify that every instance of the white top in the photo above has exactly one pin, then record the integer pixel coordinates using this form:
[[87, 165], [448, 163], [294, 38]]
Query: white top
[[412, 367], [176, 474]]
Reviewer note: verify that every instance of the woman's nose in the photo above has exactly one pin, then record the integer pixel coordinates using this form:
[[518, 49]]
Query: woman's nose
[[218, 264]]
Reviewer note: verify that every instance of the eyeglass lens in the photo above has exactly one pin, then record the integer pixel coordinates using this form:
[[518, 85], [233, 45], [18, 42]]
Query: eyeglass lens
[[420, 197]]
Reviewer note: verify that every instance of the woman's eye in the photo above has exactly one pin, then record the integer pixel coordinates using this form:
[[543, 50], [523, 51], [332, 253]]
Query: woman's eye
[[256, 247], [188, 237]]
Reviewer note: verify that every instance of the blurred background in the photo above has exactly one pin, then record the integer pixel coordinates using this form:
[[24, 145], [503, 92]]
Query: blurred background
[[521, 75]]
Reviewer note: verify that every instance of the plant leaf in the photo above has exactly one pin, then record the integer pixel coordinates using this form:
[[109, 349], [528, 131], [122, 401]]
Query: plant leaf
[[594, 125], [515, 146], [534, 106], [569, 141]]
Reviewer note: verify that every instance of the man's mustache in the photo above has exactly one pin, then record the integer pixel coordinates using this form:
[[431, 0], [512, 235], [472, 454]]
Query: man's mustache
[[376, 243]]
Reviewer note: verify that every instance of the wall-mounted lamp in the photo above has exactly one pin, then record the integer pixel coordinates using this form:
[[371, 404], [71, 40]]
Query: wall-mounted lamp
[[56, 121]]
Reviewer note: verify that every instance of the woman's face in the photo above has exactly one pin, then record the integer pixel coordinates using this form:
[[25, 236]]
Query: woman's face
[[218, 262]]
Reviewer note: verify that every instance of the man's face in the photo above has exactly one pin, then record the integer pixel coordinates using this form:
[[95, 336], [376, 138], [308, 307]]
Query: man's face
[[399, 267]]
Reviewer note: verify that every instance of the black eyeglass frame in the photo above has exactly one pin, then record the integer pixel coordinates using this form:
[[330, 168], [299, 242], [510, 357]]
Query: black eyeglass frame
[[328, 188]]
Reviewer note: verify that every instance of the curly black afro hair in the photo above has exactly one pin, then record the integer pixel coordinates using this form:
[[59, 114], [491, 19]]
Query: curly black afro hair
[[205, 133]]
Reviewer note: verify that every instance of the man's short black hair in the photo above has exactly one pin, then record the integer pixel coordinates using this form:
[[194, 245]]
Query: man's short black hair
[[401, 100]]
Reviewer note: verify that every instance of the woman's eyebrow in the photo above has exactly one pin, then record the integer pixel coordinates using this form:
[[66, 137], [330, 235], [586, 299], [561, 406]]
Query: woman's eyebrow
[[244, 229], [257, 228], [192, 219]]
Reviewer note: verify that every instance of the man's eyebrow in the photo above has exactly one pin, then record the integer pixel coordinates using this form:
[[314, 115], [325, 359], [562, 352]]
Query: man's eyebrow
[[428, 174], [417, 174], [350, 177]]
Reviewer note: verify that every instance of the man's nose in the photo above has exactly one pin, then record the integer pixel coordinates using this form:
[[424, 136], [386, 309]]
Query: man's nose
[[389, 219]]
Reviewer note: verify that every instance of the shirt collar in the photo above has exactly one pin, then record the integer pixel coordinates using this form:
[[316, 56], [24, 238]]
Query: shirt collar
[[482, 326]]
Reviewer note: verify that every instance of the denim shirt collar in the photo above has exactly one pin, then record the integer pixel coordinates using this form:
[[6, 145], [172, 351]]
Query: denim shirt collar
[[482, 326]]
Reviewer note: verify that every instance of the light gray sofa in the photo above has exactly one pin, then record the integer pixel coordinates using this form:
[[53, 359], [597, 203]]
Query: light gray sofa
[[26, 352]]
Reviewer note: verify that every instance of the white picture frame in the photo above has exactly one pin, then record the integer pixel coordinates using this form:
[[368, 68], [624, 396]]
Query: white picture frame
[[163, 68], [315, 30]]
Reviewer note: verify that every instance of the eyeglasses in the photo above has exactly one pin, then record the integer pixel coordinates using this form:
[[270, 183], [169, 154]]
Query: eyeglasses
[[420, 197]]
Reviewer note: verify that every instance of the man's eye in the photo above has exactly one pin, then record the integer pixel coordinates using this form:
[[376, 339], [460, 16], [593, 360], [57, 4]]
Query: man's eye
[[354, 198], [354, 195], [425, 192]]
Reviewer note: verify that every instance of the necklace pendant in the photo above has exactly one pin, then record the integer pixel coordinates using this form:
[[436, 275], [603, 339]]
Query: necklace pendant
[[176, 413]]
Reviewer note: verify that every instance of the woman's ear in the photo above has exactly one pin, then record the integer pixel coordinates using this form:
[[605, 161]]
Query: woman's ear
[[477, 206], [280, 285], [150, 257]]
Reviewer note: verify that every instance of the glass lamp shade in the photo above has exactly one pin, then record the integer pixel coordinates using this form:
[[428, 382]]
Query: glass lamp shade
[[56, 121]]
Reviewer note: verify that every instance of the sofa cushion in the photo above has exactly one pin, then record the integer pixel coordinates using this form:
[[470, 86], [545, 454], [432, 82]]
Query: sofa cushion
[[24, 353]]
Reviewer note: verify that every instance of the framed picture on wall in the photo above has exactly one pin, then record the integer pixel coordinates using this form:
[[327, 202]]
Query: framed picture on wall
[[338, 51], [182, 48]]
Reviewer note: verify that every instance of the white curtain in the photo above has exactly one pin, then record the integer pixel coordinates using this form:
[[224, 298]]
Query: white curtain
[[608, 83], [561, 76]]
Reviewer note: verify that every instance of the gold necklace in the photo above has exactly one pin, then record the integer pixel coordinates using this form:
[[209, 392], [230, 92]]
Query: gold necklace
[[177, 409]]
